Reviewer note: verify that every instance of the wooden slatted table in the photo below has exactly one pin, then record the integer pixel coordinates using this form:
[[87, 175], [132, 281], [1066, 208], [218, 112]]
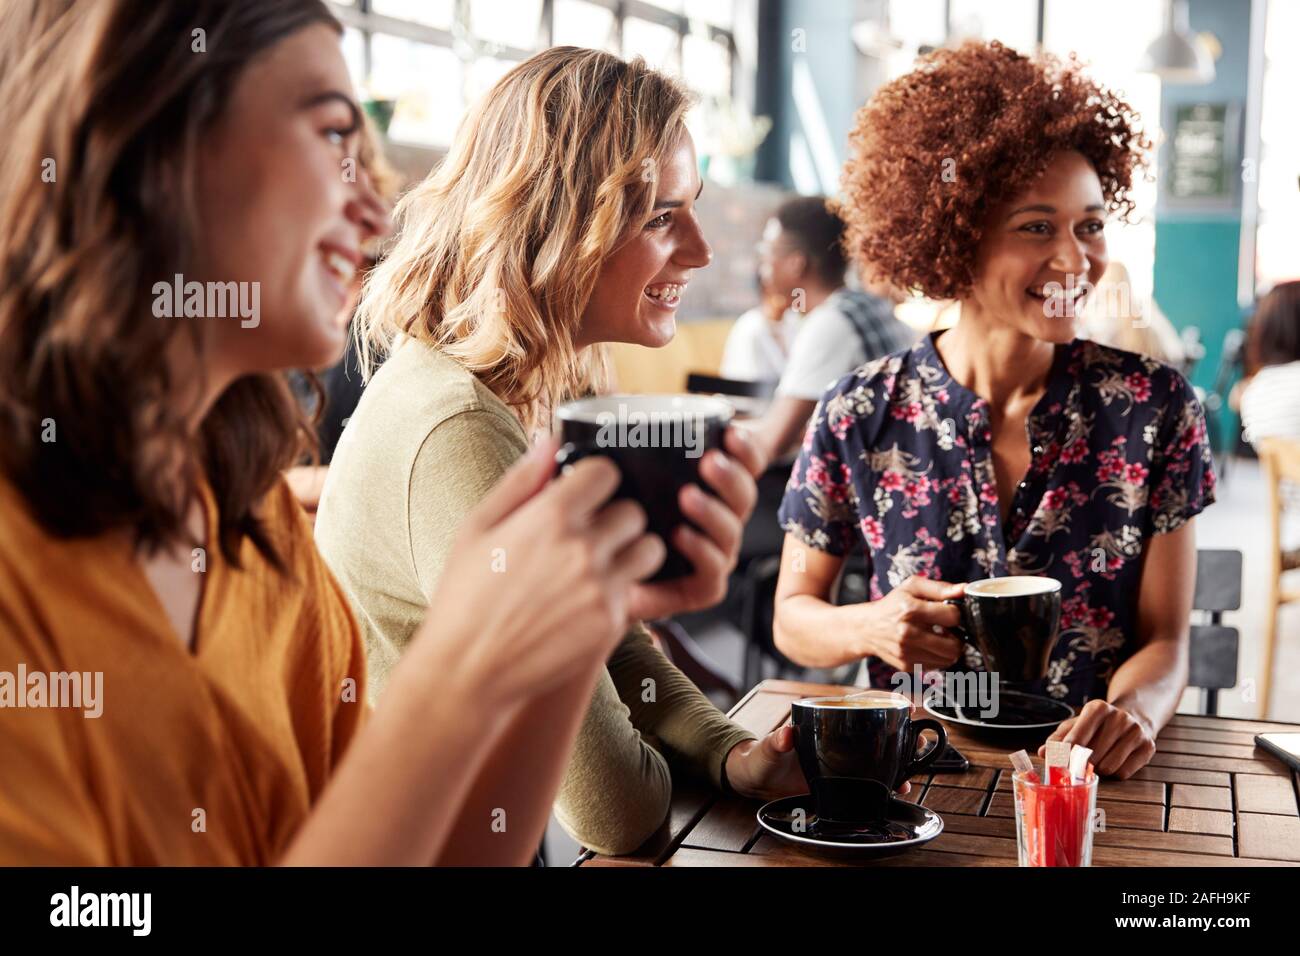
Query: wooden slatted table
[[1209, 797]]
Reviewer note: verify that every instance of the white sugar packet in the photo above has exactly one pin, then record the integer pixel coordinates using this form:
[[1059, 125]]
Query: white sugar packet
[[1058, 755], [1079, 763]]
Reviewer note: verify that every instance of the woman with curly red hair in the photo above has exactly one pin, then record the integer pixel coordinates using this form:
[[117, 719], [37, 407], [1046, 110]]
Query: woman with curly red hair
[[1005, 445]]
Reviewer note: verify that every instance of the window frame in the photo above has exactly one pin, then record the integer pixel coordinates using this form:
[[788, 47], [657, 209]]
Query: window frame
[[362, 18]]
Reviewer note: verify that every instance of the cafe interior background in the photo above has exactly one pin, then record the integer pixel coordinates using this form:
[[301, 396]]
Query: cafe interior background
[[778, 82]]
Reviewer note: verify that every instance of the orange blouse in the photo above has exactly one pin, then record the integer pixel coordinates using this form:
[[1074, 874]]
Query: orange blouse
[[207, 756]]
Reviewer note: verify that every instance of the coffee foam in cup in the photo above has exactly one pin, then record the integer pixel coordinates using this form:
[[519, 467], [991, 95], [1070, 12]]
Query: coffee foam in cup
[[1015, 585], [867, 699]]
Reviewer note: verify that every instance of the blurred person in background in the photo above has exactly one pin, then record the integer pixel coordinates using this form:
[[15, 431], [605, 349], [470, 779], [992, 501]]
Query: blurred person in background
[[802, 269], [1114, 316], [759, 342], [1269, 395]]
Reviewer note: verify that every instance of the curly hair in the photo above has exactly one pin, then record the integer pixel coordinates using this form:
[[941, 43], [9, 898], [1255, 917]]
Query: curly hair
[[935, 150]]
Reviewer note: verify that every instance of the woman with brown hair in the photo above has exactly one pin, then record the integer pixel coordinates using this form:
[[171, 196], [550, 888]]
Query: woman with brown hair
[[193, 684], [1270, 390], [562, 218], [1005, 445]]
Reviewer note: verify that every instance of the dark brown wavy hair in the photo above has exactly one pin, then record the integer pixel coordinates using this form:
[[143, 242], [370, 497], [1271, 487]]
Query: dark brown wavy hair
[[104, 106], [935, 150], [1273, 337]]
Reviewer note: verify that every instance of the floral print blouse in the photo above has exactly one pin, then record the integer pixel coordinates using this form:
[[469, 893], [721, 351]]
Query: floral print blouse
[[898, 461]]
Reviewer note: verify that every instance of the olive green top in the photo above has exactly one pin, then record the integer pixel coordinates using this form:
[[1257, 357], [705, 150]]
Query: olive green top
[[423, 447]]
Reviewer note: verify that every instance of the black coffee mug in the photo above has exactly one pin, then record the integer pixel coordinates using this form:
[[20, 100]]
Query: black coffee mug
[[657, 442], [1013, 622], [856, 751]]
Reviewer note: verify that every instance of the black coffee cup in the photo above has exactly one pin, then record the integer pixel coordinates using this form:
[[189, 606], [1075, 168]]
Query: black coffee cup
[[657, 442], [1013, 622], [856, 751]]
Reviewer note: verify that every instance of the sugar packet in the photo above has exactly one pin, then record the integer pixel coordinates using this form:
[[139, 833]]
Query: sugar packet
[[1058, 758]]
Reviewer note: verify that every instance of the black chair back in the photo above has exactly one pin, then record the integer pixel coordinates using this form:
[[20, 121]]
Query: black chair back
[[1218, 582], [702, 384], [1212, 664]]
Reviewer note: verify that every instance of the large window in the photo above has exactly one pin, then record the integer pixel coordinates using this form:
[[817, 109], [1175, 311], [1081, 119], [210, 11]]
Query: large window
[[1013, 22], [1111, 56], [432, 58], [1277, 238]]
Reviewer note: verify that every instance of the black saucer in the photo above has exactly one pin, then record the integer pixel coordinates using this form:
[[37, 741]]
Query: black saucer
[[1020, 715], [904, 825]]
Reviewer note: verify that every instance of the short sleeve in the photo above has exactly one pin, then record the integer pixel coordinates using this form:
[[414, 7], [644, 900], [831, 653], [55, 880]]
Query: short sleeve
[[819, 507], [826, 349], [334, 674], [1182, 465]]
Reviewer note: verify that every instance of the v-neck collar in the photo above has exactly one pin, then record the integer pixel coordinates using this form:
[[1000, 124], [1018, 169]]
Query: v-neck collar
[[195, 648]]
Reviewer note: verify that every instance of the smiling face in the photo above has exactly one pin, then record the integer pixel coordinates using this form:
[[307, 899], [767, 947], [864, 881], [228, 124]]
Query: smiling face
[[1042, 251], [638, 290], [283, 202]]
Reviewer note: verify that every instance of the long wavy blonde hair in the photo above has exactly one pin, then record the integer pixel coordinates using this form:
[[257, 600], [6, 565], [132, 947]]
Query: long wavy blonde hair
[[499, 248]]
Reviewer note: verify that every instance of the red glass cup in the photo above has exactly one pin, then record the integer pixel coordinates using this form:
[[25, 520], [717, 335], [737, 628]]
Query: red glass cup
[[1054, 821]]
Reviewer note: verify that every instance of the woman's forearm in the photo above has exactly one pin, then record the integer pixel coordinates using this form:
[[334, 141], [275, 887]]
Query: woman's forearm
[[664, 704], [815, 633], [396, 794], [1150, 683]]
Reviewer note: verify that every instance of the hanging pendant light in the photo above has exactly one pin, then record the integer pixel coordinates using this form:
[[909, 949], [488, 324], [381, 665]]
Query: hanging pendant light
[[1177, 55]]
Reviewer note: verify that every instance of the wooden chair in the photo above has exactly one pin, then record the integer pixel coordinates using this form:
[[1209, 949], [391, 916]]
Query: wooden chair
[[1281, 460]]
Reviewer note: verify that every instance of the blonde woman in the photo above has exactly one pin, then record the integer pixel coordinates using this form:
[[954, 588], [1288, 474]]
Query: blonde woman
[[563, 218]]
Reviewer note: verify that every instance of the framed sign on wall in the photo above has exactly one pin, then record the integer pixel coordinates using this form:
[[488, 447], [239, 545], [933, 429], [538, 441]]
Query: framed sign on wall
[[1203, 155]]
